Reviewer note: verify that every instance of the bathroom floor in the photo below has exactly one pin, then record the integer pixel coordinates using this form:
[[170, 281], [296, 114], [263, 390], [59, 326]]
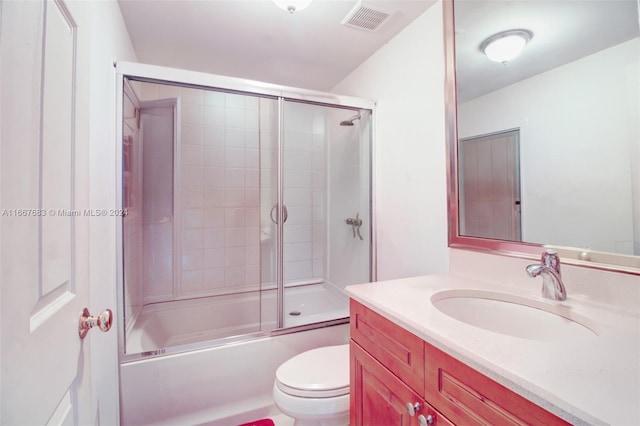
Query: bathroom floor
[[272, 414], [278, 420], [282, 420]]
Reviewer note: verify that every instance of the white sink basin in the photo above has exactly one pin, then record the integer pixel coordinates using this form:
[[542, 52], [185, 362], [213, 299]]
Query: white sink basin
[[514, 315]]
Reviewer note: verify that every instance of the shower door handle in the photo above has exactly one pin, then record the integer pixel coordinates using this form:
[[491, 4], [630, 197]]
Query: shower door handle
[[285, 214]]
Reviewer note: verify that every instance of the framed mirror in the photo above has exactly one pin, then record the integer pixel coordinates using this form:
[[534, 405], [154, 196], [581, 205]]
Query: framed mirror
[[544, 147]]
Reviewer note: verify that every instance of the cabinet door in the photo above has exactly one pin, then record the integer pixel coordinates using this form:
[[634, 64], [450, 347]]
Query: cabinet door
[[470, 398], [380, 398], [401, 352]]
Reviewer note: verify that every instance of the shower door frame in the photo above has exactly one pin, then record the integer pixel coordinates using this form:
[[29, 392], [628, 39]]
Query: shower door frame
[[159, 74]]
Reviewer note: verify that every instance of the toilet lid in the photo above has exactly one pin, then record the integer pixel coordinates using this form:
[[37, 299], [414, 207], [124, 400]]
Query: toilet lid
[[318, 373]]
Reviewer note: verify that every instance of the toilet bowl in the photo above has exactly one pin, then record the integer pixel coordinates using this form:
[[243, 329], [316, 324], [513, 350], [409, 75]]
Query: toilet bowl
[[313, 387]]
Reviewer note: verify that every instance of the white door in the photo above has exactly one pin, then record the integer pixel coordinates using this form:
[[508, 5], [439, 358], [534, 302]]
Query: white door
[[44, 153], [490, 186]]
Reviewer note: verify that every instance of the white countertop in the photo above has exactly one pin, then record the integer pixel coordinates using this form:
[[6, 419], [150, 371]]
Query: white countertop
[[593, 380]]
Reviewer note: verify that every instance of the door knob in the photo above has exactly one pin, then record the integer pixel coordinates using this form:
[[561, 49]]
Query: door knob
[[88, 321]]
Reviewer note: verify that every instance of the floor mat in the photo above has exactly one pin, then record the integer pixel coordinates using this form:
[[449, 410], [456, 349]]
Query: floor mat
[[261, 422]]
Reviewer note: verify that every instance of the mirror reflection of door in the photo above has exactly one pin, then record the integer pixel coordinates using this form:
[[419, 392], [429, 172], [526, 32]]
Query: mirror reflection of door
[[490, 186]]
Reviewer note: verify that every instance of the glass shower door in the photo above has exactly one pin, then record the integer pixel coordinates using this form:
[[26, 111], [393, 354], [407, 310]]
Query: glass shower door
[[199, 250], [326, 191]]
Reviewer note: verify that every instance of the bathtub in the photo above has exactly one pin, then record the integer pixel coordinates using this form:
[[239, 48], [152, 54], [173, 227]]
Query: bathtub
[[218, 386], [183, 322]]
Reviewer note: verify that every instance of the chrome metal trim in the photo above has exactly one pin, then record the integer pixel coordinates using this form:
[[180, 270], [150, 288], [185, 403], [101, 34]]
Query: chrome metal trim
[[571, 256], [373, 229], [188, 347], [279, 215], [228, 341], [204, 80], [119, 252], [311, 326], [119, 310]]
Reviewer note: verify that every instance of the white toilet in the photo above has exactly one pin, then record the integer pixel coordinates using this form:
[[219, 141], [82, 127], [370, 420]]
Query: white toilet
[[313, 387]]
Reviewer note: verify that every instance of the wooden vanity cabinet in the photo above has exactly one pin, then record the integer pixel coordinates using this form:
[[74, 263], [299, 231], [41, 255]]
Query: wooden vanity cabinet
[[387, 373], [391, 367]]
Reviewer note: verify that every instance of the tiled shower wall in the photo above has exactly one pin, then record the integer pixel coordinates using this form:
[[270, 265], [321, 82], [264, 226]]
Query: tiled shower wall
[[304, 186], [227, 174], [220, 194]]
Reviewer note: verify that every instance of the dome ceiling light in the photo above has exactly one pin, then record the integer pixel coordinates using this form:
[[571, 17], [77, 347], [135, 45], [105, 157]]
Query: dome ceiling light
[[292, 5], [506, 45]]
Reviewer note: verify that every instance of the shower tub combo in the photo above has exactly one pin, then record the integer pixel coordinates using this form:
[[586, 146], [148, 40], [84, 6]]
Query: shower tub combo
[[185, 322], [248, 212]]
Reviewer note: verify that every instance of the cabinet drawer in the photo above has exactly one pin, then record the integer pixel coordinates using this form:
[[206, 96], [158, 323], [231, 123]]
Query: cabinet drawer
[[394, 347], [467, 397]]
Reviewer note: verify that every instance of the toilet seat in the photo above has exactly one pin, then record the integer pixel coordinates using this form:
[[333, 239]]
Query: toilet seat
[[318, 373]]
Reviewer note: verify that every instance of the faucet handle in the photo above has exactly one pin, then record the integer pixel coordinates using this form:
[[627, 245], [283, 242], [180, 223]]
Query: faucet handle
[[551, 259]]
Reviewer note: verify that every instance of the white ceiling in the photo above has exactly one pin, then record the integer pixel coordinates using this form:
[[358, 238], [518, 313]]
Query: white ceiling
[[254, 39], [563, 31]]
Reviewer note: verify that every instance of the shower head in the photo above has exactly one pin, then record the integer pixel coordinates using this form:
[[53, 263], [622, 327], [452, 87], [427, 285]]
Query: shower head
[[350, 121]]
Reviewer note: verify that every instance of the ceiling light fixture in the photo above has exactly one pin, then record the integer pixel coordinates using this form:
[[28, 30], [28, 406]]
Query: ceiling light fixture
[[292, 5], [506, 45]]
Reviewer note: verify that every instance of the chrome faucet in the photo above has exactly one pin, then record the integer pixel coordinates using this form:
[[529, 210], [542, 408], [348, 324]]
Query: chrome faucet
[[549, 268]]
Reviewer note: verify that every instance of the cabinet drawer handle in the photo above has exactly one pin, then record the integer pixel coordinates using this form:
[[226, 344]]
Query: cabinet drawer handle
[[424, 421], [413, 408]]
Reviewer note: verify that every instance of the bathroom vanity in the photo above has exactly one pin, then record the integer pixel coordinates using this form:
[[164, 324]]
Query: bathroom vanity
[[413, 363]]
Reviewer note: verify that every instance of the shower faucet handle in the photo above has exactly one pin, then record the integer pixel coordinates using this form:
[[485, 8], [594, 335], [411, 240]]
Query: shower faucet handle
[[355, 223]]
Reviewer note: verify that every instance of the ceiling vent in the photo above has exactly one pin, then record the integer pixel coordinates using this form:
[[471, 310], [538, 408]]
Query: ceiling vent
[[367, 18]]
